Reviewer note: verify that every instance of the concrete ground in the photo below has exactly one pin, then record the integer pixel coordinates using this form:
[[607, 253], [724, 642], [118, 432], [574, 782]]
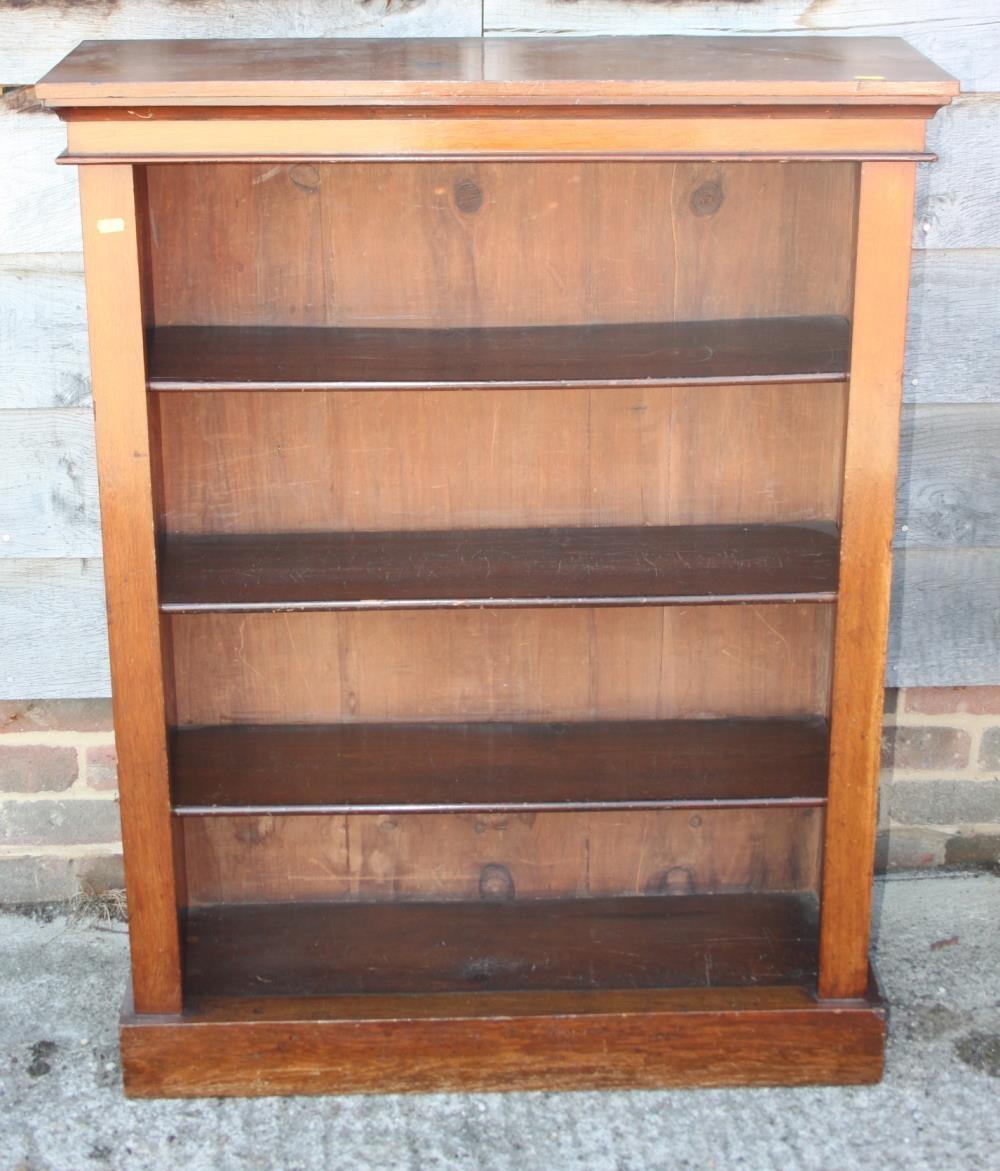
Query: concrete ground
[[61, 1106]]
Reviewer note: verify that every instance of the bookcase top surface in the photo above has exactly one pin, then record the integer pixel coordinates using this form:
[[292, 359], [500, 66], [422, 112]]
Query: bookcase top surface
[[415, 71]]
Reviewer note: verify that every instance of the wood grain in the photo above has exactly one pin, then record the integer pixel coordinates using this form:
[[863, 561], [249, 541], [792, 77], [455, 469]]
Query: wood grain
[[39, 203], [503, 767], [40, 206], [881, 282], [34, 38], [946, 633], [497, 1041], [425, 237], [372, 858], [48, 485], [458, 459], [962, 36], [537, 246], [943, 630], [948, 494], [52, 628], [286, 140], [456, 71], [748, 350], [619, 566], [558, 664], [43, 297], [954, 209], [118, 363], [656, 941], [954, 296]]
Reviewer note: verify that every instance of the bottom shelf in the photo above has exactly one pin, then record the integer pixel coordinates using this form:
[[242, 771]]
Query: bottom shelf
[[573, 1040], [635, 942]]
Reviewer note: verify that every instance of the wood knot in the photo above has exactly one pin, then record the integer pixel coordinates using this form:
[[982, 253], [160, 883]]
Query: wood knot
[[251, 831], [675, 880], [707, 198], [496, 885], [468, 197], [305, 176]]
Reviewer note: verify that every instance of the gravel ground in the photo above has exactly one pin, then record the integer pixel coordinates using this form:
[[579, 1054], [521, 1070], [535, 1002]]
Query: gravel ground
[[61, 1105]]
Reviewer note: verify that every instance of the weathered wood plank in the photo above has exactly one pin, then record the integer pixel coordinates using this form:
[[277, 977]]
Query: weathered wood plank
[[956, 196], [953, 342], [52, 629], [43, 332], [39, 205], [35, 36], [949, 484], [962, 36], [48, 485], [946, 618]]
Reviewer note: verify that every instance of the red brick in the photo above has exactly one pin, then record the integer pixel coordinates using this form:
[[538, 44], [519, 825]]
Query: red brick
[[939, 701], [909, 847], [936, 802], [974, 851], [55, 715], [102, 768], [925, 748], [36, 768], [989, 750], [28, 879], [58, 823]]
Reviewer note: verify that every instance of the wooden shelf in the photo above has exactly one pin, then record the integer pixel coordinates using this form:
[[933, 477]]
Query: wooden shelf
[[321, 949], [633, 566], [399, 768], [464, 71], [770, 349]]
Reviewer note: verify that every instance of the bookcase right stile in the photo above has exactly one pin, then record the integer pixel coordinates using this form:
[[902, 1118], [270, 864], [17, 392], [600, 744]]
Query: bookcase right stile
[[882, 265]]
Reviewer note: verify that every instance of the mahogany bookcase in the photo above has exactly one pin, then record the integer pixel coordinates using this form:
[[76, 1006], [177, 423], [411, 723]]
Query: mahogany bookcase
[[497, 446]]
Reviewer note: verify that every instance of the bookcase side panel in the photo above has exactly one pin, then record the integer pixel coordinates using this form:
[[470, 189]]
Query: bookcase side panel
[[112, 250], [885, 212]]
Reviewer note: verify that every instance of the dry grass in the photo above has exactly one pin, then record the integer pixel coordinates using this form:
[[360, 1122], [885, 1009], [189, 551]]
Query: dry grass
[[102, 909]]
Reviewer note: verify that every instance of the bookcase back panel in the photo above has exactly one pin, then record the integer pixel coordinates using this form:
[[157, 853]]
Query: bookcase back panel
[[495, 243], [531, 664], [395, 460], [520, 855]]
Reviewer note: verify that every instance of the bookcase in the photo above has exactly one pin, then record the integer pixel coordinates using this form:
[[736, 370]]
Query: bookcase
[[497, 445]]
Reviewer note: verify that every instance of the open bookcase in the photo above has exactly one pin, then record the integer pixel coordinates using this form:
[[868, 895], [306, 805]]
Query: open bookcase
[[497, 447]]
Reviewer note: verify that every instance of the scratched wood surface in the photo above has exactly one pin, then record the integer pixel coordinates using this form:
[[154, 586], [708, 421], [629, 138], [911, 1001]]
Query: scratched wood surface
[[545, 664], [514, 459], [35, 37], [499, 244], [525, 855], [963, 36], [942, 631]]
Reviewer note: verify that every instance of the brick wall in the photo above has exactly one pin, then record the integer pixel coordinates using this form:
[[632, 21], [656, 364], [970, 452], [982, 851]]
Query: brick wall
[[59, 832], [940, 793], [940, 797]]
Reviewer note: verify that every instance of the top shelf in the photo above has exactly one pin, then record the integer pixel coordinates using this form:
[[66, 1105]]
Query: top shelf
[[687, 353], [473, 70]]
